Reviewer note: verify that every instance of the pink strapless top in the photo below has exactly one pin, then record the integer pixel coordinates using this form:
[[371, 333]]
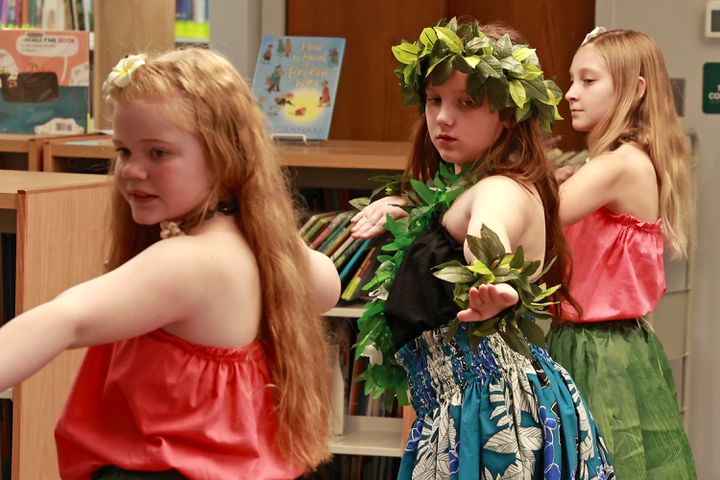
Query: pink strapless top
[[157, 402], [618, 268]]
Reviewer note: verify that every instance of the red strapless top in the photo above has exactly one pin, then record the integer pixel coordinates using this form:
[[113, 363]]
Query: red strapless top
[[618, 268], [157, 402]]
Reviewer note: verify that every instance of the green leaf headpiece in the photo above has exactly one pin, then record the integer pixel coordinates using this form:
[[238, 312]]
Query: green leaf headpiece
[[508, 75]]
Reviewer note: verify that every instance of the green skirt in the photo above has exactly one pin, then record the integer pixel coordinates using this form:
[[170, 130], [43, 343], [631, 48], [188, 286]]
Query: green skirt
[[624, 375]]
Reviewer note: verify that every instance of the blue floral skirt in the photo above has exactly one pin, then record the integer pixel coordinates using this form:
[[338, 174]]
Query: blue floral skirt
[[495, 414]]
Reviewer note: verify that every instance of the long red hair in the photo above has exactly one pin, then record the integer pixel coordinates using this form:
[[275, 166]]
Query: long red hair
[[217, 106]]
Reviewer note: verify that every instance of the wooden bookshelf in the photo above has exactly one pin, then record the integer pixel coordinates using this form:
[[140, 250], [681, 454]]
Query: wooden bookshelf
[[90, 148], [60, 223], [25, 145], [331, 155]]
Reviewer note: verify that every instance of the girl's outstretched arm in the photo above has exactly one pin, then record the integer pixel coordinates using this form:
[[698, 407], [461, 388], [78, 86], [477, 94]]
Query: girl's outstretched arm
[[506, 207], [170, 282]]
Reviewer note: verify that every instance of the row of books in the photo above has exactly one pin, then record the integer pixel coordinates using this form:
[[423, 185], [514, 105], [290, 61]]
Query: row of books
[[356, 467], [191, 16], [355, 258], [47, 14]]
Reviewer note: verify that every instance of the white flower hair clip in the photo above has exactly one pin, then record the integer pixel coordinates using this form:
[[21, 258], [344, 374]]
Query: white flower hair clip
[[122, 72], [594, 33]]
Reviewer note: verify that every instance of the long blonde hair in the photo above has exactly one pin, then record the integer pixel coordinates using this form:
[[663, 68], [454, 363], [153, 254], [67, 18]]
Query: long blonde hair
[[649, 120], [218, 107]]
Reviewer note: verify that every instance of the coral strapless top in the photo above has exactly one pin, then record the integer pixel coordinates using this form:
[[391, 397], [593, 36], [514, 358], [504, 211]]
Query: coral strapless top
[[157, 402], [618, 267]]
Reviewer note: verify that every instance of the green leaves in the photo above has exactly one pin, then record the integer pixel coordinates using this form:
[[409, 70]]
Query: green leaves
[[426, 200], [406, 53], [493, 265], [442, 49]]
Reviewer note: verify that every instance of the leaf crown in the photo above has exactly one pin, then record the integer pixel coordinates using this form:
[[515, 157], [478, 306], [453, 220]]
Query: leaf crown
[[508, 75]]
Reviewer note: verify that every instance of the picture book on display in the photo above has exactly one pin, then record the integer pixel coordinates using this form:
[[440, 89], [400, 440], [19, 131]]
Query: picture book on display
[[44, 81], [295, 83]]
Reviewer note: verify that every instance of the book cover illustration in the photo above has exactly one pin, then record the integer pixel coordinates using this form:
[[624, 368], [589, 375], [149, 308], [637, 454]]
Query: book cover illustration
[[295, 82], [44, 81]]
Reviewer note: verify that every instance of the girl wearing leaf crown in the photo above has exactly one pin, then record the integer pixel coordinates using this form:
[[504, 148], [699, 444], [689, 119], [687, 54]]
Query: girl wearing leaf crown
[[211, 298], [636, 189], [489, 403]]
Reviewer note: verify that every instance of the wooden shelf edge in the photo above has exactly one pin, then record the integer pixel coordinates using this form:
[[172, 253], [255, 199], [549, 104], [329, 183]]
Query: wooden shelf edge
[[370, 436], [7, 394]]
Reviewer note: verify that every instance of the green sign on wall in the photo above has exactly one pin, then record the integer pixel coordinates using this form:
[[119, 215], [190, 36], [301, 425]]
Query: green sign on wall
[[711, 88]]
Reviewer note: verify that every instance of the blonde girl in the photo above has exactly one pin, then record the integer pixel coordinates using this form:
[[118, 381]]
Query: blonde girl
[[631, 198]]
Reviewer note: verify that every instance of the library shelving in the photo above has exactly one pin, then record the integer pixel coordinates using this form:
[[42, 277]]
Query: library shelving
[[20, 151], [59, 226]]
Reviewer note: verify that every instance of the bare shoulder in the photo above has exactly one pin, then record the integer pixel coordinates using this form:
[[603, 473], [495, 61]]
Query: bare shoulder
[[625, 160], [503, 190], [184, 263]]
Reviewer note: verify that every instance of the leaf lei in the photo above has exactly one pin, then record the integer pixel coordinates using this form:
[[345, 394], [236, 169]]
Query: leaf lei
[[509, 75], [375, 339], [516, 324], [492, 265]]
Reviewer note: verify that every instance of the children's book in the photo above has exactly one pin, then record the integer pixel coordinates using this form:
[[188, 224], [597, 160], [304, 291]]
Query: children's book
[[44, 81], [295, 83]]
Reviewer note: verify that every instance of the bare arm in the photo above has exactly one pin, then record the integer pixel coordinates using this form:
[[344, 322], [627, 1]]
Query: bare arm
[[325, 278], [506, 208], [594, 185], [165, 284]]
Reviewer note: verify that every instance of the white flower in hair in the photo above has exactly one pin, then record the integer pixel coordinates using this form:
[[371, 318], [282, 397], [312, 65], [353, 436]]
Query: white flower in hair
[[122, 72], [594, 33]]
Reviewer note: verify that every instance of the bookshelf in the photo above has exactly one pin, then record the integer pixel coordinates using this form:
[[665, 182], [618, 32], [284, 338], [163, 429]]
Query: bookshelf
[[23, 151], [342, 157], [60, 230]]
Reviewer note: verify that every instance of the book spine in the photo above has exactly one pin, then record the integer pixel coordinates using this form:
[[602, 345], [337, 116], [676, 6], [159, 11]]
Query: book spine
[[353, 261]]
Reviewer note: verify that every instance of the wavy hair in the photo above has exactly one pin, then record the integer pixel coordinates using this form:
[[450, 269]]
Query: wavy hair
[[519, 153], [217, 106], [650, 121]]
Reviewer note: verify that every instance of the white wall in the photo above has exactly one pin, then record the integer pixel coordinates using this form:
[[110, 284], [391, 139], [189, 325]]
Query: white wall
[[678, 27]]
